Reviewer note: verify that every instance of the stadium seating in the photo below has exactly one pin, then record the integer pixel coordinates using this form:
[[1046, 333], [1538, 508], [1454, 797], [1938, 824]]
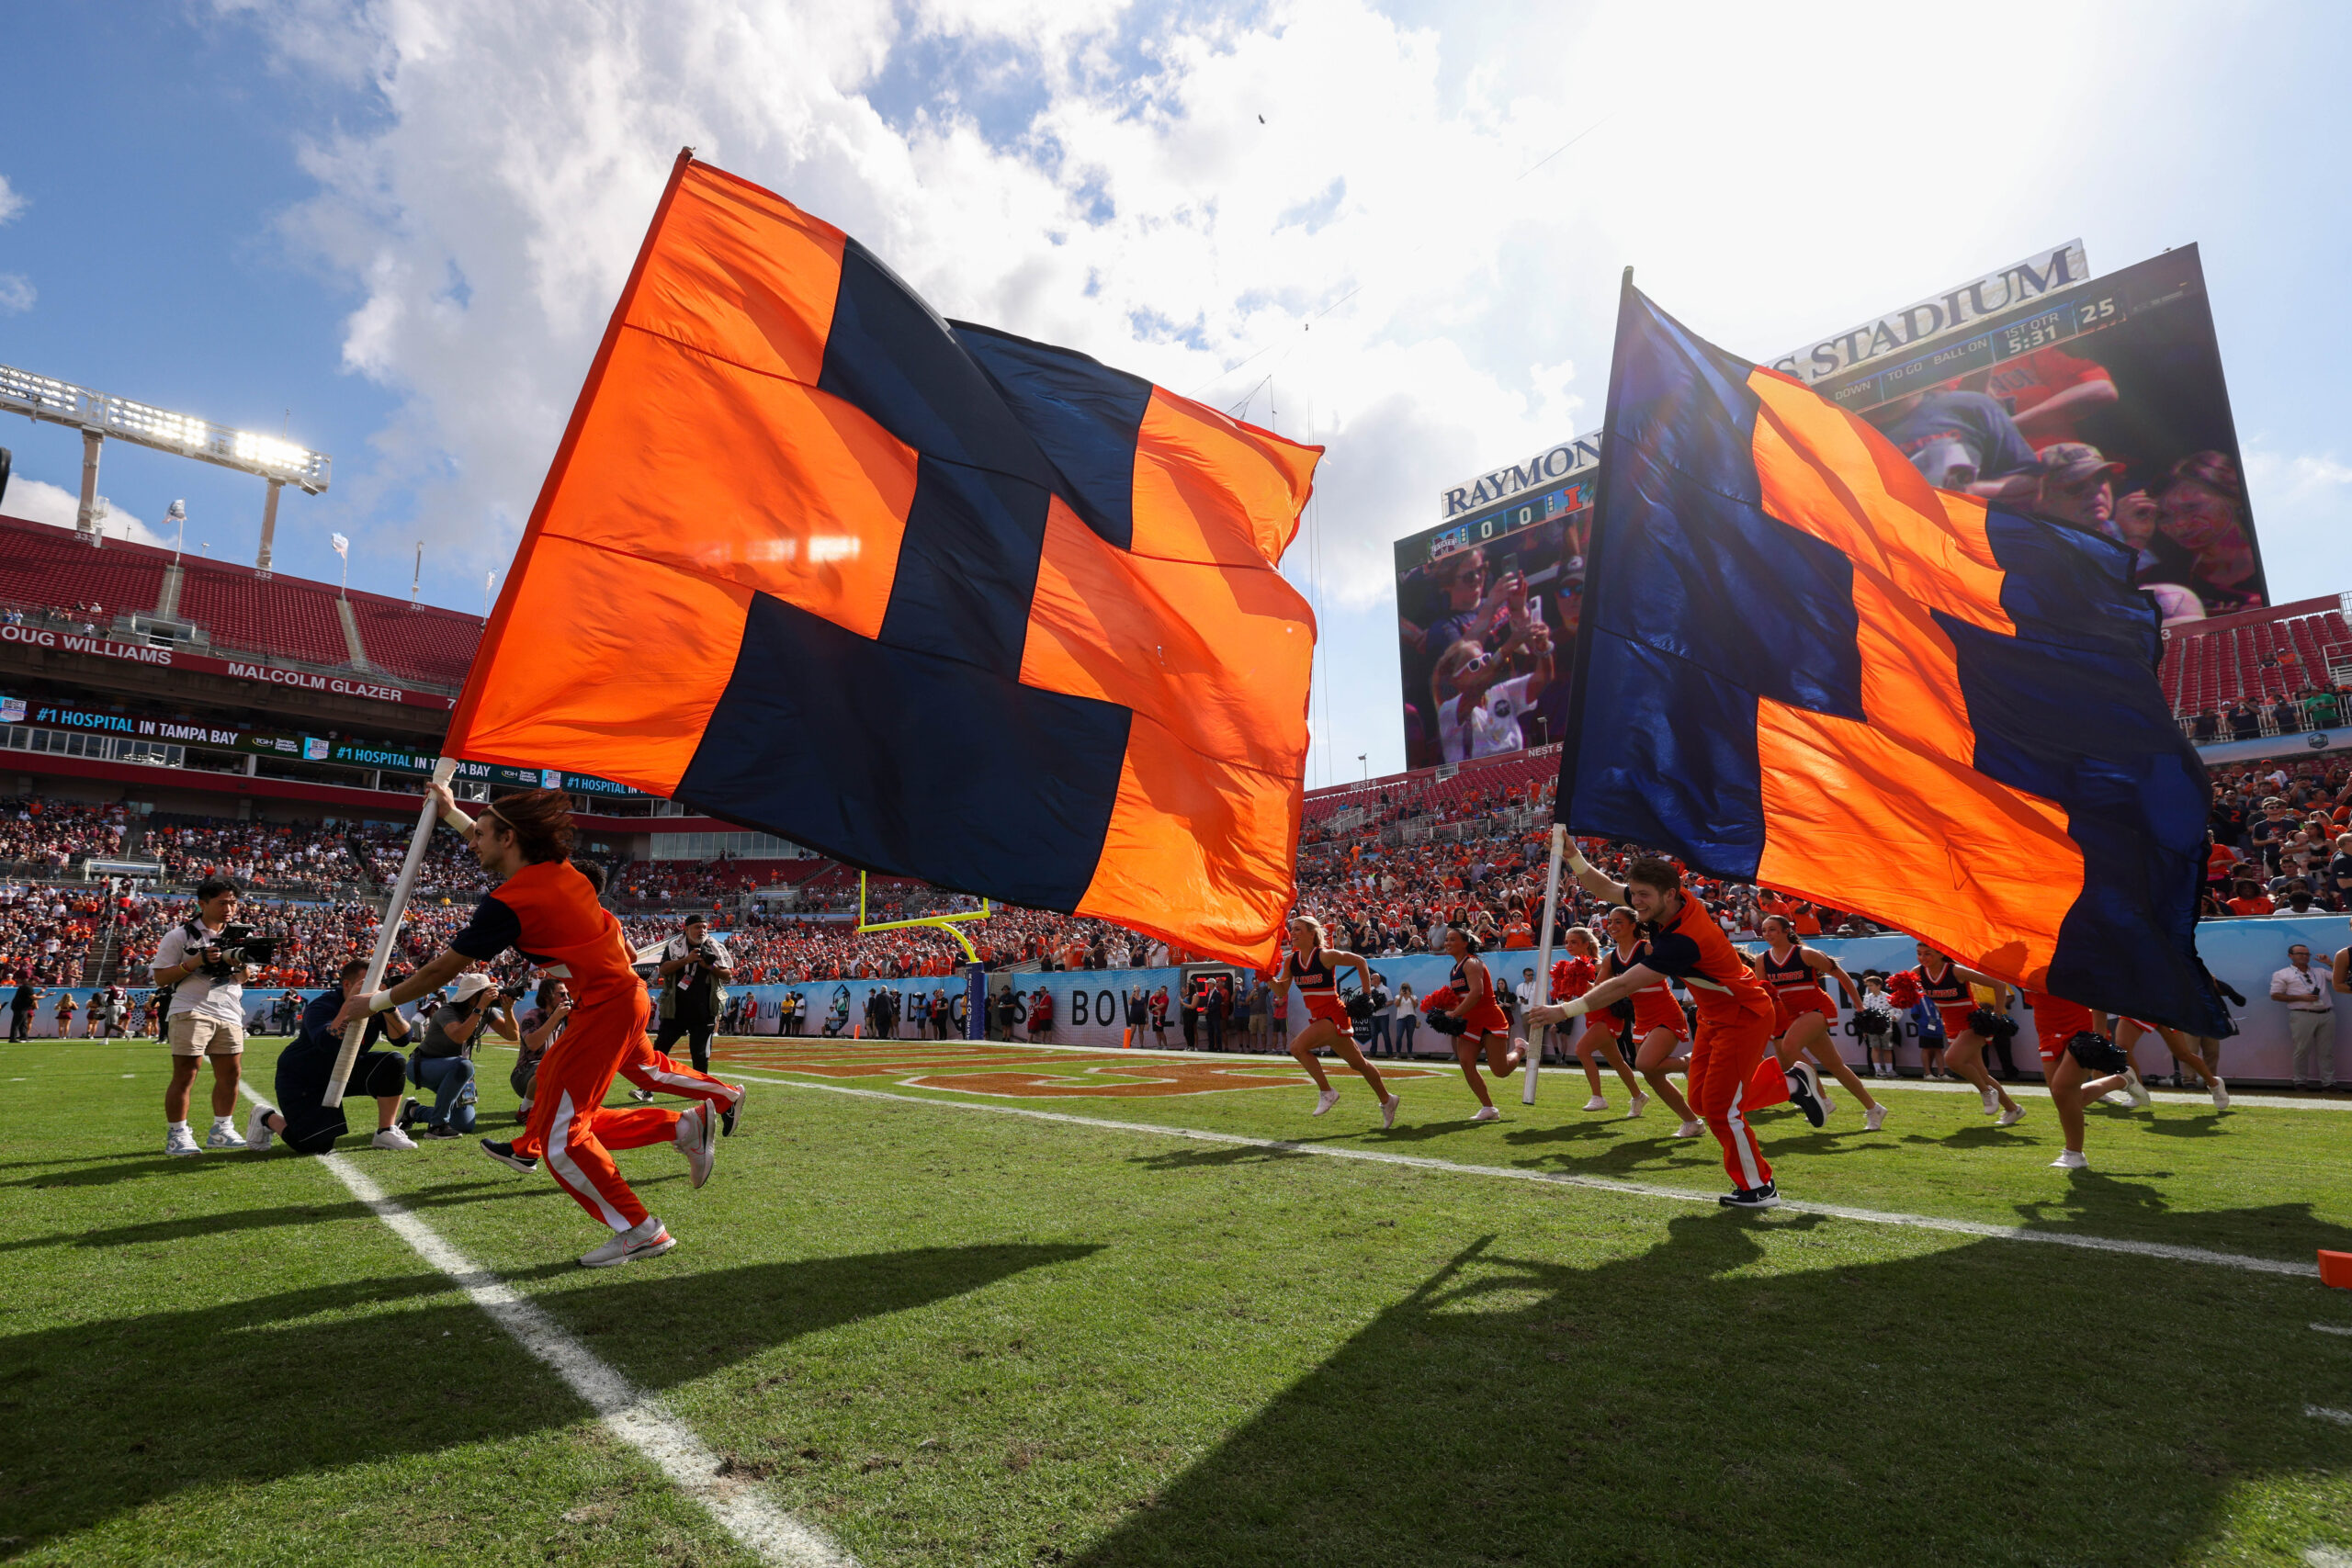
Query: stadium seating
[[282, 615], [2259, 656], [43, 568], [417, 642]]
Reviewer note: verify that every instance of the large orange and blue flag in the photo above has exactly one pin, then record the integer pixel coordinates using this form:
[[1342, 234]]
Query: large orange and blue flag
[[1801, 665], [930, 598]]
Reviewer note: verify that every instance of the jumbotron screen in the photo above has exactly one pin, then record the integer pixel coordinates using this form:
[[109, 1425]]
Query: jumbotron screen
[[2099, 403]]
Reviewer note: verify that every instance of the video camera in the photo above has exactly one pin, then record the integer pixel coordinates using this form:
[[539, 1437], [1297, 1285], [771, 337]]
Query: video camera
[[235, 947]]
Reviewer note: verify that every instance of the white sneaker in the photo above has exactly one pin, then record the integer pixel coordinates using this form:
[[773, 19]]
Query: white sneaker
[[2116, 1097], [1641, 1103], [391, 1138], [2011, 1117], [1596, 1103], [646, 1240], [1488, 1113], [1829, 1106], [1690, 1130], [2140, 1097], [2220, 1095], [178, 1140], [1324, 1102], [1875, 1119], [642, 1096], [694, 1138], [1388, 1110], [223, 1136], [1992, 1099], [257, 1133], [2072, 1159]]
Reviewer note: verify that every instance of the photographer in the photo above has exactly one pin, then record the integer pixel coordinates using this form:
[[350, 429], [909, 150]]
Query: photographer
[[444, 1062], [309, 1126], [541, 1025], [694, 967], [206, 963]]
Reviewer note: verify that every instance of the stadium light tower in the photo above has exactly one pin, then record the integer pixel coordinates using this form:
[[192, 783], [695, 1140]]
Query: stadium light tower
[[97, 415]]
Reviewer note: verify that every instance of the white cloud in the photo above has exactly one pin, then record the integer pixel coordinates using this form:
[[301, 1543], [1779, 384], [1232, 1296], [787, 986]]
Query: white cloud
[[17, 293], [11, 201], [1360, 211], [37, 501]]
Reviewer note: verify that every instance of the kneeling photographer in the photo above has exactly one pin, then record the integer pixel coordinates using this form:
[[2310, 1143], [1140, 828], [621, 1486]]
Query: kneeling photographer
[[300, 1117], [444, 1059]]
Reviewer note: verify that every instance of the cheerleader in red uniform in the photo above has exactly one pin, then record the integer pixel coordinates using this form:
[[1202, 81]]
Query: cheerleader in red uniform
[[1792, 972], [1573, 976], [1652, 1018], [1487, 1028], [1315, 970], [1945, 985]]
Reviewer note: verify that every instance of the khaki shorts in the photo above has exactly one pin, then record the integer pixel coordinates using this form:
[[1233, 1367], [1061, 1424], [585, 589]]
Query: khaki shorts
[[194, 1036]]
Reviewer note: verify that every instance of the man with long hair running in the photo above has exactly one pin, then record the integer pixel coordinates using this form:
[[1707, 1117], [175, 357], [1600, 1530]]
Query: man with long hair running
[[1315, 970], [546, 910], [1731, 1069]]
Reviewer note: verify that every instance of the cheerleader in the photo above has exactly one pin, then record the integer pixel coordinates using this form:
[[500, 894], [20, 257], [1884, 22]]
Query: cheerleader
[[1791, 971], [1315, 970], [1945, 984], [1652, 1018], [1573, 976], [1470, 1000]]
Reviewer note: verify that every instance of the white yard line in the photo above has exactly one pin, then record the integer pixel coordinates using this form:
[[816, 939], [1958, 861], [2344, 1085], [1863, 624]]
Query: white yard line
[[638, 1419], [2321, 1413], [1600, 1184]]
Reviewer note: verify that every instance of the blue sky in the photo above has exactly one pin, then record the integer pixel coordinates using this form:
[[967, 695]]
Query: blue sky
[[393, 230]]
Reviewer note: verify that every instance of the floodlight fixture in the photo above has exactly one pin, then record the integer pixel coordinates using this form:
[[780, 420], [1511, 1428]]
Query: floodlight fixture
[[98, 415]]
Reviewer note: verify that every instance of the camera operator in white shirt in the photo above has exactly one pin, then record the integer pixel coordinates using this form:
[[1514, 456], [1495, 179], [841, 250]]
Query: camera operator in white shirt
[[206, 1017]]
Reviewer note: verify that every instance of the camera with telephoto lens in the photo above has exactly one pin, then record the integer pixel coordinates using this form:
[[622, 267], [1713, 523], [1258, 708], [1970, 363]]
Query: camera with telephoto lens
[[235, 947], [515, 990]]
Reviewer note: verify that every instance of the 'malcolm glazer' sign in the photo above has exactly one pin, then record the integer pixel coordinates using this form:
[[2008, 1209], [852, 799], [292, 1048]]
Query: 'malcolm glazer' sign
[[1547, 467], [2054, 269]]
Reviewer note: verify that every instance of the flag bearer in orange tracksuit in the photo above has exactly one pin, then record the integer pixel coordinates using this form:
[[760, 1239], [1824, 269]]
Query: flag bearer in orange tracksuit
[[1733, 1070], [547, 911]]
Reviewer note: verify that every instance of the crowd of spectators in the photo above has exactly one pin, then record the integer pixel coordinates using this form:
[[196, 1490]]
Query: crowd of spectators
[[2314, 707], [259, 855], [2280, 840], [42, 838]]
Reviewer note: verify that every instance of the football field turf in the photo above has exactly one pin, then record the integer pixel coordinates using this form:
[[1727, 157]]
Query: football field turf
[[951, 1303]]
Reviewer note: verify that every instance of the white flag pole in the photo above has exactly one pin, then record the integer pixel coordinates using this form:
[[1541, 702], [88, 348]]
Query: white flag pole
[[1543, 959], [389, 933]]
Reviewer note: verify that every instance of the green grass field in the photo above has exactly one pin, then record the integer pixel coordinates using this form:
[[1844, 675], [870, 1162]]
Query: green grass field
[[939, 1336]]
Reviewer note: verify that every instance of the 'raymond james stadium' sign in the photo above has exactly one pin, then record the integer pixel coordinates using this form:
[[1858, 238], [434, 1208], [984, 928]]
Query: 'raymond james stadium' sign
[[1547, 467], [2060, 267]]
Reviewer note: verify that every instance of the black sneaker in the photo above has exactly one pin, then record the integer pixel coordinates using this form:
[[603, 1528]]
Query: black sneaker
[[1803, 1096], [1765, 1197], [439, 1132], [410, 1111], [504, 1154], [727, 1117]]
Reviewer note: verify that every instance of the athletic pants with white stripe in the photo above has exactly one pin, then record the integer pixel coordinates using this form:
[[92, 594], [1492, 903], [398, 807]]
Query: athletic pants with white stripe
[[655, 1072], [569, 1118], [1733, 1072]]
